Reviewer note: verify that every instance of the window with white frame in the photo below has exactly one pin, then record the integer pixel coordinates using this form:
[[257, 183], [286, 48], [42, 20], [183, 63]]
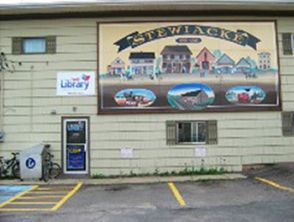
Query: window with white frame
[[191, 132], [34, 45]]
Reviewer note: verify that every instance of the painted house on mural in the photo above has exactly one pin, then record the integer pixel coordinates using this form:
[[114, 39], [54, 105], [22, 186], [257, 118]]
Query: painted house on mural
[[62, 84], [142, 63], [225, 64], [117, 67], [176, 59], [264, 61], [205, 59], [243, 66]]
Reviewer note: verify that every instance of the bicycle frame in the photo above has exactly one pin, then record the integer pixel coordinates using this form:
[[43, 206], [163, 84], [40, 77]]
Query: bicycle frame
[[7, 165]]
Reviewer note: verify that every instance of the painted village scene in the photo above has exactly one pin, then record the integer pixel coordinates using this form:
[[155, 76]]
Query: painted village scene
[[177, 78]]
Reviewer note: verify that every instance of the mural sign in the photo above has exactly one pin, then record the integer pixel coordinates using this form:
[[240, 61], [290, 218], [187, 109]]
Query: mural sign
[[75, 83], [187, 67]]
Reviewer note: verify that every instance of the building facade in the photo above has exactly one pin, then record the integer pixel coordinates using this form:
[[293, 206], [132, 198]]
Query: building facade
[[243, 66], [205, 59], [264, 60], [47, 96], [176, 59], [117, 67], [225, 64], [142, 63]]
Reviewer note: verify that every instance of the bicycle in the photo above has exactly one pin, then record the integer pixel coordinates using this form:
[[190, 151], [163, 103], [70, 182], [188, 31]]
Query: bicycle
[[10, 166], [51, 170]]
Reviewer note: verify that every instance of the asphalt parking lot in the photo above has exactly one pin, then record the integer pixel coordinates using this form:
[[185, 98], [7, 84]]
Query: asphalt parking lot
[[232, 200]]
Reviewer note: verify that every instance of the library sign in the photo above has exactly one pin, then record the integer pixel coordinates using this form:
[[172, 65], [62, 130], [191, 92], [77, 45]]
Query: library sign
[[75, 83]]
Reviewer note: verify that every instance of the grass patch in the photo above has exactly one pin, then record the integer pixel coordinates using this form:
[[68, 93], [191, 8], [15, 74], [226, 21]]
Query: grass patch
[[186, 172]]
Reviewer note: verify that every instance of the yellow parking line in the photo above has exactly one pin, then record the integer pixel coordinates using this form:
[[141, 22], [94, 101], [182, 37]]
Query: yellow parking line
[[55, 188], [17, 196], [40, 188], [31, 203], [49, 192], [72, 192], [177, 194], [40, 197], [24, 209], [56, 204], [274, 184]]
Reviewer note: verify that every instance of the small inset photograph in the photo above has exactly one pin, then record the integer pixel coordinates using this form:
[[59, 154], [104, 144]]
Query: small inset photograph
[[245, 95], [135, 97], [195, 96]]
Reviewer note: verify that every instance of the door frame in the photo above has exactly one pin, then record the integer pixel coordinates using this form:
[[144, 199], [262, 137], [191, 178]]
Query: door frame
[[63, 160]]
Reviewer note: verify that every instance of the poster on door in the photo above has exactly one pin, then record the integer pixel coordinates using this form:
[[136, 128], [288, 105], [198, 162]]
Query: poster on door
[[76, 157], [187, 67], [75, 132]]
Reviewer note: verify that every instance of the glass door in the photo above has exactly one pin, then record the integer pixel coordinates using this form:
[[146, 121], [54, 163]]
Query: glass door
[[75, 146]]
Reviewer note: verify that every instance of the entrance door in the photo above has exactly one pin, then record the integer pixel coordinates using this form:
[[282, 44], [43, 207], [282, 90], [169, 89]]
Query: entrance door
[[75, 145]]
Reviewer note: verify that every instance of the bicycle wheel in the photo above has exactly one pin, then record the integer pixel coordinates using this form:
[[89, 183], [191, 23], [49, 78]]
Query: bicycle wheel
[[16, 170], [55, 170]]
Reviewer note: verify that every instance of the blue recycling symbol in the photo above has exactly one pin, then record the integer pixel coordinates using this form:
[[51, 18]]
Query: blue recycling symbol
[[30, 163]]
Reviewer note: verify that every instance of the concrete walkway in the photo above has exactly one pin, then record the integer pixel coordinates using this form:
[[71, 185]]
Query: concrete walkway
[[132, 180]]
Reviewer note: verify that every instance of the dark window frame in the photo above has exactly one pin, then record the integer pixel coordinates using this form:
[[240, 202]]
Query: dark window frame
[[288, 124], [191, 123], [288, 43], [292, 42], [18, 45], [32, 38]]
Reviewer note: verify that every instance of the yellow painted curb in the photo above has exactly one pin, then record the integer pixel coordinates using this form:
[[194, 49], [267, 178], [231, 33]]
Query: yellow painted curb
[[64, 199], [17, 196], [274, 184], [177, 194]]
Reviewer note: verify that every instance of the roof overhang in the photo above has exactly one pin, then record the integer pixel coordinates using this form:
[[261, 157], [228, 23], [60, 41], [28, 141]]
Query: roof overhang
[[106, 7]]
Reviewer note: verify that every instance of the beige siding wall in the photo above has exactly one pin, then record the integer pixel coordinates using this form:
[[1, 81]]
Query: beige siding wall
[[30, 96]]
